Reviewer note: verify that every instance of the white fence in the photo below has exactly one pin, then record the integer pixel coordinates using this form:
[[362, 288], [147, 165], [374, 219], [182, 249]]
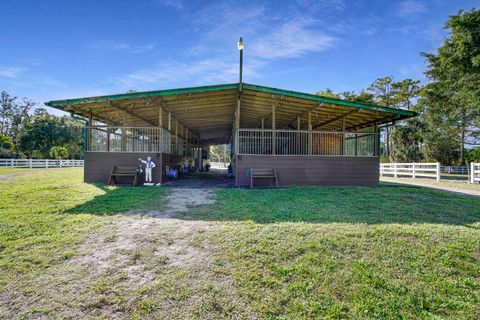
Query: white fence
[[39, 163], [414, 170], [455, 169], [474, 172]]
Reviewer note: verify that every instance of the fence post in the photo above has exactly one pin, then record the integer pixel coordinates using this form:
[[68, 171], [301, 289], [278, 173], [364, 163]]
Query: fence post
[[472, 172], [12, 163], [30, 163], [395, 170], [46, 163], [413, 170], [438, 171], [60, 162]]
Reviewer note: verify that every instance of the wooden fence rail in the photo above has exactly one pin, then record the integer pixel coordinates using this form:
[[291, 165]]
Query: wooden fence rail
[[414, 170], [474, 172], [39, 163]]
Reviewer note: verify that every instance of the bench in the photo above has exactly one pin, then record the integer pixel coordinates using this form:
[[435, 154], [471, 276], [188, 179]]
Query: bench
[[119, 171], [263, 173]]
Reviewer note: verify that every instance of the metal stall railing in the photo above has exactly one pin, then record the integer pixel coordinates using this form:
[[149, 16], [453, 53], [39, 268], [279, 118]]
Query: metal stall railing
[[302, 142], [128, 139]]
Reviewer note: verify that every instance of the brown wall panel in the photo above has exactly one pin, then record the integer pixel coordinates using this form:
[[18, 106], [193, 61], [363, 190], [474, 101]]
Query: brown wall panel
[[310, 170], [98, 165]]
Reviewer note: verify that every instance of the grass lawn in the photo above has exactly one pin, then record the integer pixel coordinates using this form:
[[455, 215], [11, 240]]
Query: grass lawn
[[384, 252]]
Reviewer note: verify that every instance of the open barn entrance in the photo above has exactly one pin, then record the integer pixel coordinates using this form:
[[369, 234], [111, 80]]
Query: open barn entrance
[[214, 169]]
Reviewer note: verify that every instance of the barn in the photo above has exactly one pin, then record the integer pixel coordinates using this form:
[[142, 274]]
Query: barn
[[307, 139]]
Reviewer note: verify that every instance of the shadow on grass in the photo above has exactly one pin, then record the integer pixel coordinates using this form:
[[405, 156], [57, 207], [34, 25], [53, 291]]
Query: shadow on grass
[[387, 203], [121, 199]]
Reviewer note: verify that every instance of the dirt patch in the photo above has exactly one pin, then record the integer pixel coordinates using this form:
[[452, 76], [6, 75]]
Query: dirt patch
[[5, 177], [144, 262], [155, 231]]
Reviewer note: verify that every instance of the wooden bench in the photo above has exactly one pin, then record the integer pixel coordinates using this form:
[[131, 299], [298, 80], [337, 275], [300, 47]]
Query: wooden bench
[[119, 171], [263, 173]]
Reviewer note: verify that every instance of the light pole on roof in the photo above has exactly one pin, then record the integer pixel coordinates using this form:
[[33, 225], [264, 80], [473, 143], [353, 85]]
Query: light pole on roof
[[241, 46]]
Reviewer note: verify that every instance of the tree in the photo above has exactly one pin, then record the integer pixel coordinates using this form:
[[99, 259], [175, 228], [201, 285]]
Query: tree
[[6, 112], [43, 131], [406, 93], [407, 140], [473, 155], [453, 96], [384, 95], [361, 97], [58, 152], [6, 145]]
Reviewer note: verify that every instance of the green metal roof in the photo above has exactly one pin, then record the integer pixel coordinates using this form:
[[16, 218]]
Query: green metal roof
[[230, 86], [142, 94]]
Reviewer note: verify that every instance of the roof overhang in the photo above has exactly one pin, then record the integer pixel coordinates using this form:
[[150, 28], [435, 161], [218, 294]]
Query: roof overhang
[[209, 111]]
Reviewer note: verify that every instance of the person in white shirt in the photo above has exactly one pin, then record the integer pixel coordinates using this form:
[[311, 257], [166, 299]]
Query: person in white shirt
[[149, 165]]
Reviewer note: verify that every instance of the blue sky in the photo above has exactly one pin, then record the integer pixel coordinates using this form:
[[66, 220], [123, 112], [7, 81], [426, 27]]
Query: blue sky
[[67, 49]]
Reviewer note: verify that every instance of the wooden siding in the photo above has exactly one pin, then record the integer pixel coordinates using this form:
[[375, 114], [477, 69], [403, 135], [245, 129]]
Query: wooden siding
[[98, 165], [310, 170]]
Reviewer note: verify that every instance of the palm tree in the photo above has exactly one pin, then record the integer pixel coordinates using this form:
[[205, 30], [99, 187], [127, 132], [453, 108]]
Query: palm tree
[[58, 152], [6, 144]]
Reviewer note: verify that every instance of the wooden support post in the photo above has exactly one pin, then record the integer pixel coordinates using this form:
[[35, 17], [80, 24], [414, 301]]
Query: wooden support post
[[108, 140], [309, 125], [298, 122], [274, 138], [89, 131], [169, 124], [343, 136], [237, 114], [176, 137], [160, 116], [376, 137], [356, 140], [263, 123], [124, 133], [187, 151]]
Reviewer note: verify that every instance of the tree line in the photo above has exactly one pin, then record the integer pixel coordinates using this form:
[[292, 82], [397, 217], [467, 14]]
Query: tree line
[[448, 126], [37, 134]]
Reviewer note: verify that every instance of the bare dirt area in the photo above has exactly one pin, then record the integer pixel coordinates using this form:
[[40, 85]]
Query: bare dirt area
[[141, 263]]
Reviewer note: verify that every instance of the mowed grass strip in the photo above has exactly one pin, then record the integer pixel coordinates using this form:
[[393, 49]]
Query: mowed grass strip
[[384, 252], [44, 213]]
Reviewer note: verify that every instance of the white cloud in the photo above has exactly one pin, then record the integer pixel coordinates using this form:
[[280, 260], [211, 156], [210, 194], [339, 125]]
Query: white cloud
[[294, 38], [323, 4], [177, 4], [11, 72], [121, 46], [215, 70], [226, 21], [410, 7]]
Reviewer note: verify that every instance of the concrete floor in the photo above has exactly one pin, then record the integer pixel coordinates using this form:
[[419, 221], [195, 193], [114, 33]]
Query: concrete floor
[[213, 178]]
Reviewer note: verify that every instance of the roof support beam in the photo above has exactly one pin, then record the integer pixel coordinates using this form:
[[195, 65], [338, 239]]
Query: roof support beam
[[131, 113], [337, 118]]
